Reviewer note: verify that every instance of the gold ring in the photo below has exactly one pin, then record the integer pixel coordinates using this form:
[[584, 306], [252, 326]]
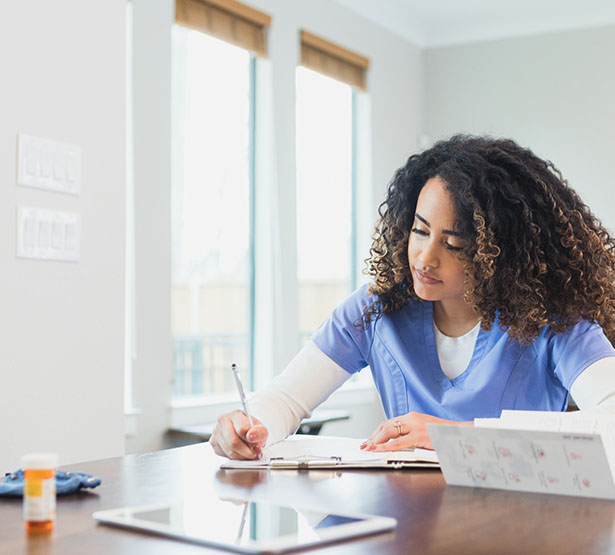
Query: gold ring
[[398, 427]]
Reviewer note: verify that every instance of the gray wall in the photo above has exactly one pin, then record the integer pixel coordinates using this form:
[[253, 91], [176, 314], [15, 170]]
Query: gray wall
[[62, 325], [554, 93]]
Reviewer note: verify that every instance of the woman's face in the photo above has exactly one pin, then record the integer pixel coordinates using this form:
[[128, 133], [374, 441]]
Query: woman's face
[[434, 246]]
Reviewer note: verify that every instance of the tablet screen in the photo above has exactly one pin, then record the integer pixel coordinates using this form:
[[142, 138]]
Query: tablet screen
[[245, 525]]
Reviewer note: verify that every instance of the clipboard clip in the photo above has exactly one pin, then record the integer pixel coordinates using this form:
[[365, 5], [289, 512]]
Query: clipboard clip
[[301, 464]]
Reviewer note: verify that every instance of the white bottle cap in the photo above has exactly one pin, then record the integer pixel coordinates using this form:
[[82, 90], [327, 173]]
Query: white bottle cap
[[39, 461]]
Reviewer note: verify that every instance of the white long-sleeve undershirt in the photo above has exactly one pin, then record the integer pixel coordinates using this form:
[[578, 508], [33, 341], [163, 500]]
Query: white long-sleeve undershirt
[[312, 376]]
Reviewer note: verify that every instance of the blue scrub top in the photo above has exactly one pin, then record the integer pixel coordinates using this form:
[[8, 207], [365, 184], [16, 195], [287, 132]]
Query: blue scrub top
[[400, 349]]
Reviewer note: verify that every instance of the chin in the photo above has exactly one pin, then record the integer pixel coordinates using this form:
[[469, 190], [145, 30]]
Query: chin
[[424, 294]]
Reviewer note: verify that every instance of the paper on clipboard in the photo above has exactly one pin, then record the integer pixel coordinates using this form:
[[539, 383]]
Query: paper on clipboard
[[523, 460], [308, 452]]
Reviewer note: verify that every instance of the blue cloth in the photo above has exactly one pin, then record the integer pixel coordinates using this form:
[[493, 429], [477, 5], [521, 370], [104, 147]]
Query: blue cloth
[[66, 482], [400, 349]]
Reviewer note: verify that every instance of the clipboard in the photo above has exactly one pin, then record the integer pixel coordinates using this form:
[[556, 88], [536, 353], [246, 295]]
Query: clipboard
[[302, 452]]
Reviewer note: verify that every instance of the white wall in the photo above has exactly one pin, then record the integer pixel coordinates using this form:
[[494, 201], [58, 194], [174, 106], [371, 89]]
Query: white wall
[[395, 100], [554, 93], [61, 346], [61, 331], [151, 104]]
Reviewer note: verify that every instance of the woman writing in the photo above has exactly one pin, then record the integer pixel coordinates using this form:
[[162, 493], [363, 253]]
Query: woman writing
[[493, 287]]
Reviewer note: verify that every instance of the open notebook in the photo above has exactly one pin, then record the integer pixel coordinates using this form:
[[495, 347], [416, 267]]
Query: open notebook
[[322, 452]]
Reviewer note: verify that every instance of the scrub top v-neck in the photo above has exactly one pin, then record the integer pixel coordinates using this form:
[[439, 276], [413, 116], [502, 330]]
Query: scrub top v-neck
[[400, 349], [432, 350], [455, 353]]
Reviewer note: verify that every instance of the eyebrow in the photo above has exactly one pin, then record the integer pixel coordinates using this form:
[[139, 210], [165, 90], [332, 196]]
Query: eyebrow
[[446, 231]]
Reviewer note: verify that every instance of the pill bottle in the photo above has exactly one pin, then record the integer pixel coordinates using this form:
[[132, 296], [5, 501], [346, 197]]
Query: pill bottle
[[39, 492]]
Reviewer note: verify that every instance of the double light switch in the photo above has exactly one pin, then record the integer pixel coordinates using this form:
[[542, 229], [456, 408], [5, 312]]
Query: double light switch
[[48, 234], [48, 165]]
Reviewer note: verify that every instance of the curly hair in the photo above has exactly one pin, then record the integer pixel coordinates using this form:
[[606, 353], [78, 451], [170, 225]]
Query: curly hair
[[536, 255]]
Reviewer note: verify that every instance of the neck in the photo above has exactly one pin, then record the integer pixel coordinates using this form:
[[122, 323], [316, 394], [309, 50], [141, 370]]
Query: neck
[[454, 318]]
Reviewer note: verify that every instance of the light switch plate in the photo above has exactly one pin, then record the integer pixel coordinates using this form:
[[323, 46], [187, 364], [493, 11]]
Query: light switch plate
[[48, 234], [48, 165]]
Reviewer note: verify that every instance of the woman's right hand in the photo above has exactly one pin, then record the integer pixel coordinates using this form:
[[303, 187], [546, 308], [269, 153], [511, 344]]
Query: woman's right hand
[[234, 438]]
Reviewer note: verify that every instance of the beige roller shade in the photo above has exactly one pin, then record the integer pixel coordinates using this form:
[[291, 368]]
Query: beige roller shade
[[227, 20], [333, 60]]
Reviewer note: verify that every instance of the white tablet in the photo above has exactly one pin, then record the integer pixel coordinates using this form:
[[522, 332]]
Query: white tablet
[[245, 526]]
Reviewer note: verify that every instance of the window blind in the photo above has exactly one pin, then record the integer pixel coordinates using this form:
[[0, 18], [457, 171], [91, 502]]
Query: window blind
[[227, 20], [335, 61]]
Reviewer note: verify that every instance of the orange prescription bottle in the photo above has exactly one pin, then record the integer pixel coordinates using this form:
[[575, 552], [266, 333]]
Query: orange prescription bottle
[[39, 492]]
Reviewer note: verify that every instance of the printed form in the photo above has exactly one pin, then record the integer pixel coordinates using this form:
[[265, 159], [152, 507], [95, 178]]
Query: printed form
[[560, 453]]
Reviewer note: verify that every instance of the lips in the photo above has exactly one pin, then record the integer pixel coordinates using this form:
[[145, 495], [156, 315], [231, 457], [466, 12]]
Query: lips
[[426, 278]]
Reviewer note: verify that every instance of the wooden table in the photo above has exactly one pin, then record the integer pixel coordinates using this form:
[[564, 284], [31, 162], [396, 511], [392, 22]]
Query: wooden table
[[433, 517]]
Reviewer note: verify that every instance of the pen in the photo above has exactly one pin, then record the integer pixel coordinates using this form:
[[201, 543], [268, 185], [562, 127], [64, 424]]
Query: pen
[[242, 393]]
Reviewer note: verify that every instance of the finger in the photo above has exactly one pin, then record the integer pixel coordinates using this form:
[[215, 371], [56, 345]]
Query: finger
[[415, 440], [254, 436], [257, 435], [240, 421], [219, 444], [388, 431], [232, 443], [396, 444], [375, 432], [234, 446], [213, 441], [369, 442]]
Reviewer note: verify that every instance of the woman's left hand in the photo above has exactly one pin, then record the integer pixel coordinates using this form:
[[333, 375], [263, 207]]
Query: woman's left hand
[[404, 431]]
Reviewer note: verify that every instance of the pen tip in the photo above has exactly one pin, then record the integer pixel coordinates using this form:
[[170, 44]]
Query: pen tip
[[233, 366]]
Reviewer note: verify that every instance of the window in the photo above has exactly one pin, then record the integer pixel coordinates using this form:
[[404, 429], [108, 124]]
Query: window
[[212, 198], [325, 234], [327, 179]]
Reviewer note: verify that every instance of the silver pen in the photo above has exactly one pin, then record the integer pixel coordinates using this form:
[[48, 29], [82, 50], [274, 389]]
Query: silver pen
[[242, 393]]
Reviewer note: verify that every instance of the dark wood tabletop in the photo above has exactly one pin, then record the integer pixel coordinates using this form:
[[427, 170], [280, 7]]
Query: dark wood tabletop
[[432, 517]]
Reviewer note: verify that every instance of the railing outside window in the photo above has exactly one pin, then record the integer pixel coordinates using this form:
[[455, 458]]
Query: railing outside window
[[201, 362]]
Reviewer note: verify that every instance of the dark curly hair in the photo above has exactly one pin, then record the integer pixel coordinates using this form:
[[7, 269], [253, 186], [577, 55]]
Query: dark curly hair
[[535, 254]]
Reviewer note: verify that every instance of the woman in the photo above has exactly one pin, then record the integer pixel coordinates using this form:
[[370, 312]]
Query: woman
[[493, 287]]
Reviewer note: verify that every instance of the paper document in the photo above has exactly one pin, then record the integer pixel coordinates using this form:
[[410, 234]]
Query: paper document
[[571, 422], [319, 452], [525, 460]]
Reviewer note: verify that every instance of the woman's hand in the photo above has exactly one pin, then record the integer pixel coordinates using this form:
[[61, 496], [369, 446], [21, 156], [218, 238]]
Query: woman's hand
[[404, 431], [235, 439]]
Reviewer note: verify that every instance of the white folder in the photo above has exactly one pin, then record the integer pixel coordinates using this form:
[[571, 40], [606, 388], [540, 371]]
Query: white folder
[[305, 452], [525, 460]]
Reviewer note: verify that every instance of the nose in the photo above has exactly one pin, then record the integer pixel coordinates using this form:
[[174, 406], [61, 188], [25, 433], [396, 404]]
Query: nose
[[428, 256]]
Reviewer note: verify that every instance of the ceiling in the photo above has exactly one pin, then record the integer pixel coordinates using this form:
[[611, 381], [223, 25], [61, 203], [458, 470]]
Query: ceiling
[[432, 23]]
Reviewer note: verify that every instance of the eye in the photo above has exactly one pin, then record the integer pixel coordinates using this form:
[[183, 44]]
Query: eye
[[453, 248], [419, 231]]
